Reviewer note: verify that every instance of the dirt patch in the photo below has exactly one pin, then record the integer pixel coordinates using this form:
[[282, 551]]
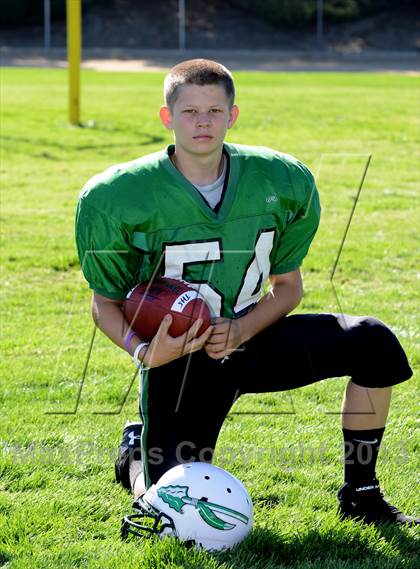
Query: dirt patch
[[258, 60]]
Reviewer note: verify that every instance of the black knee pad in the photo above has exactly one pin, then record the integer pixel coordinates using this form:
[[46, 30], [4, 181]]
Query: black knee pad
[[380, 360]]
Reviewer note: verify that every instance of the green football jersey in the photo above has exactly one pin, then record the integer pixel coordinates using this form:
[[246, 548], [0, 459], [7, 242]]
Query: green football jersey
[[144, 219]]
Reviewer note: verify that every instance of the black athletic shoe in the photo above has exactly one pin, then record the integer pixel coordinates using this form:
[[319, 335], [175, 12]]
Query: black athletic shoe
[[128, 452], [367, 503]]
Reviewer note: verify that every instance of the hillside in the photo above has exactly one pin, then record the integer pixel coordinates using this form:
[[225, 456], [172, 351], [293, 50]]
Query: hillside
[[218, 25]]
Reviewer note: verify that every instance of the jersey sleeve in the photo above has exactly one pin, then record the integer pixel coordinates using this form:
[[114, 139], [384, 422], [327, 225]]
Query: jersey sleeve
[[293, 244], [108, 261]]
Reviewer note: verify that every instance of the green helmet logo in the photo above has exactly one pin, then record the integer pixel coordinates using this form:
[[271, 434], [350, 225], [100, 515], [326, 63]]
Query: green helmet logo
[[177, 497]]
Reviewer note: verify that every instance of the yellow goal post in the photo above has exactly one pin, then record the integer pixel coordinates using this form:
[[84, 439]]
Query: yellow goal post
[[74, 46]]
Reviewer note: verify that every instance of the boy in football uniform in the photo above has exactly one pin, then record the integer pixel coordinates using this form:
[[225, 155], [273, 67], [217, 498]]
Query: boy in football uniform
[[226, 218]]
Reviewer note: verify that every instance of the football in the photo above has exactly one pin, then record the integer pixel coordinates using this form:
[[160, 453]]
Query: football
[[147, 303]]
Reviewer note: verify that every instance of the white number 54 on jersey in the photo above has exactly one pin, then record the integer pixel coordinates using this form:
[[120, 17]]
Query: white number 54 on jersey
[[256, 272]]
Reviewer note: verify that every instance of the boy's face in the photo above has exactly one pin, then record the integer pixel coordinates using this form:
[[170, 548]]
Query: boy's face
[[199, 118]]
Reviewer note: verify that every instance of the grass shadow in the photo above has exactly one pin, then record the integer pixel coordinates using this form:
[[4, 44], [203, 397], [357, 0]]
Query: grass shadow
[[144, 140], [338, 546]]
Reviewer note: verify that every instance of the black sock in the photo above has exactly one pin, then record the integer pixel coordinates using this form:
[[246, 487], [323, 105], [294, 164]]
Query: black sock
[[360, 454]]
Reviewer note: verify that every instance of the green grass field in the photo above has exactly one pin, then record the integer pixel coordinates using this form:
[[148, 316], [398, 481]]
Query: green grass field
[[59, 506]]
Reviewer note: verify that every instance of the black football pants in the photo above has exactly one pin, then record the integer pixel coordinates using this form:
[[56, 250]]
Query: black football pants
[[183, 404]]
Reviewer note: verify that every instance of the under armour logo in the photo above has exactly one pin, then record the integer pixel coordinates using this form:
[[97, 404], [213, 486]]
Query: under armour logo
[[271, 199], [132, 437], [365, 488]]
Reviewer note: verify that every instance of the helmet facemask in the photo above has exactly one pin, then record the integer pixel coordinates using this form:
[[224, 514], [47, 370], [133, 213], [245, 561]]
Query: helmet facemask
[[146, 521]]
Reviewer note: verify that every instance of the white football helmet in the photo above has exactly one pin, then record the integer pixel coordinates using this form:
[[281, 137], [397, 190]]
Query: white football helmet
[[198, 503]]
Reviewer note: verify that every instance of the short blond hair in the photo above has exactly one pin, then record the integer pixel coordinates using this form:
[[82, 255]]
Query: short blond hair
[[197, 72]]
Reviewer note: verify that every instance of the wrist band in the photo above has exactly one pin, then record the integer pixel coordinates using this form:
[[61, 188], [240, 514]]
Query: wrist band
[[128, 340], [136, 353]]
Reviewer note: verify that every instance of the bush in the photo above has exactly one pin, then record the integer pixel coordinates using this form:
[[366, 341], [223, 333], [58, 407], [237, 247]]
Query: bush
[[19, 13], [301, 12], [280, 11], [13, 12], [289, 12]]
